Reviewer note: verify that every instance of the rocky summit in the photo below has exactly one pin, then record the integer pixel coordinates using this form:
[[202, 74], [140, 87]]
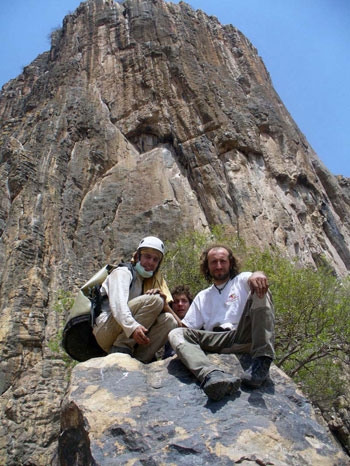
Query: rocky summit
[[119, 411], [144, 117]]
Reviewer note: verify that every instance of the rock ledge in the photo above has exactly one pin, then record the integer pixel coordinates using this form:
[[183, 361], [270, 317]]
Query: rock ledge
[[119, 411]]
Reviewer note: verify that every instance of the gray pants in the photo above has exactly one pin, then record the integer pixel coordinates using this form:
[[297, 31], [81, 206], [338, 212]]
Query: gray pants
[[254, 335]]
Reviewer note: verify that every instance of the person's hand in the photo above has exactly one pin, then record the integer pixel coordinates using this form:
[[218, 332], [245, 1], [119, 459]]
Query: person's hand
[[157, 291], [139, 335], [153, 291], [258, 284]]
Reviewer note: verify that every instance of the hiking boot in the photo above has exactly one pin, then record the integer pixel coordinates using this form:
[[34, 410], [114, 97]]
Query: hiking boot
[[245, 360], [258, 372], [217, 384]]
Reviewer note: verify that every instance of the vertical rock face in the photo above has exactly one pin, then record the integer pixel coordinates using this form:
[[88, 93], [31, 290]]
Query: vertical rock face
[[143, 118]]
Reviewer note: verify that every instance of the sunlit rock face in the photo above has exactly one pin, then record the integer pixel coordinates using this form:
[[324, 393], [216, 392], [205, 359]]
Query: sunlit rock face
[[144, 117]]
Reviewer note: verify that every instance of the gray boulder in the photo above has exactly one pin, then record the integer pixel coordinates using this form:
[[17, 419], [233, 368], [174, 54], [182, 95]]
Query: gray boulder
[[119, 411]]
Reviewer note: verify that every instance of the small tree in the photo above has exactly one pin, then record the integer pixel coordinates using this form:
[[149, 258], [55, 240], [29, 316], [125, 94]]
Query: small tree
[[312, 321]]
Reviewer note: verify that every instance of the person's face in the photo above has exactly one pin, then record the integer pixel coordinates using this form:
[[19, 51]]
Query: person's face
[[180, 305], [219, 265], [149, 261]]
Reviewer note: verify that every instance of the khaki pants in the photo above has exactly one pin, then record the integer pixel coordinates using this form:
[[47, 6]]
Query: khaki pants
[[254, 335], [147, 311]]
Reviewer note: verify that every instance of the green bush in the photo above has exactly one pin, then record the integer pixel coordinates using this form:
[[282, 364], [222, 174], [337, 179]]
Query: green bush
[[312, 321]]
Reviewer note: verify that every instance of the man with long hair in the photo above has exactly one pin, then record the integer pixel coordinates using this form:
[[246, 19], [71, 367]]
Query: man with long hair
[[234, 315]]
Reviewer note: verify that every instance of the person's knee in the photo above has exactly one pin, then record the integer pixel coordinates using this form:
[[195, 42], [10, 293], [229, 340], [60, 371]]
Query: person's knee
[[176, 337], [154, 301], [167, 321], [264, 303]]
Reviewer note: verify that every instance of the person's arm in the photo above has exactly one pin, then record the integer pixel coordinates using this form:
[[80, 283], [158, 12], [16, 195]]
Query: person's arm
[[193, 317], [157, 283], [139, 335], [117, 287], [258, 283]]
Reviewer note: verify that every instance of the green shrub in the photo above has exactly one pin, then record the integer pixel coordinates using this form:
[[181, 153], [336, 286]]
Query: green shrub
[[312, 320]]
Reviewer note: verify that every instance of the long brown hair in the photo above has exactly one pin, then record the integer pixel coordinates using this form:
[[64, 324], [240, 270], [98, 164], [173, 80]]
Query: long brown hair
[[234, 265]]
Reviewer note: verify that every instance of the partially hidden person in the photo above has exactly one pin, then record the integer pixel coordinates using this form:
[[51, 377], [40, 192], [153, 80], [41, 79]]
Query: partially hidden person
[[182, 299]]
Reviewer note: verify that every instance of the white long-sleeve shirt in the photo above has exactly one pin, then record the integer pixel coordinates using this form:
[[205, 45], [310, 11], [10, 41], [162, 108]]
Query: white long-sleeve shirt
[[117, 288]]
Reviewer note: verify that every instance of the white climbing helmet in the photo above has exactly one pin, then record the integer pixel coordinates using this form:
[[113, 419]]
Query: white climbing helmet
[[152, 242]]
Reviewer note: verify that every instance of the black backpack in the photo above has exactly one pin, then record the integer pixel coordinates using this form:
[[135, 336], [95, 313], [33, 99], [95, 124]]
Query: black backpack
[[78, 339]]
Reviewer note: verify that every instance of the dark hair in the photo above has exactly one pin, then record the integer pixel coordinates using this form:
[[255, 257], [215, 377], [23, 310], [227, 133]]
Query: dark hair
[[183, 289], [234, 266]]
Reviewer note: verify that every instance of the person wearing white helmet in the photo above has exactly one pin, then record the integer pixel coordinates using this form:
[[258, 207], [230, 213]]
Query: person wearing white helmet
[[136, 318]]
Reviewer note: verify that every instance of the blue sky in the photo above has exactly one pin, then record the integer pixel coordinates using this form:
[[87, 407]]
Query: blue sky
[[305, 45]]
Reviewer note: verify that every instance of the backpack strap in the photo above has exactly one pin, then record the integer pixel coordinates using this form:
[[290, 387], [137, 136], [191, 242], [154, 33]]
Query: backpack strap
[[131, 269], [95, 292]]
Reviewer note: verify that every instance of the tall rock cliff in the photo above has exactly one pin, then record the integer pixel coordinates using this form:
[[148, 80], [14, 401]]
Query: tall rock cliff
[[144, 117]]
